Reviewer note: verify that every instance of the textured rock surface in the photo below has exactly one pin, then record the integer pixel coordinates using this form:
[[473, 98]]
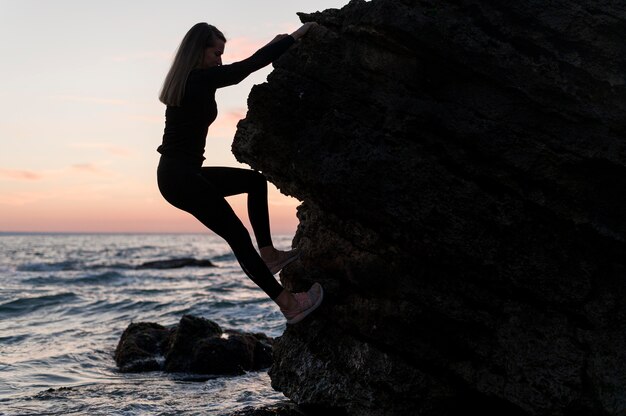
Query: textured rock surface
[[462, 167], [141, 346], [195, 345]]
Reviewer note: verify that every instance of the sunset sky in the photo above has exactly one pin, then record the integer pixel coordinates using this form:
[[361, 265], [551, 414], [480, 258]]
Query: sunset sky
[[80, 119]]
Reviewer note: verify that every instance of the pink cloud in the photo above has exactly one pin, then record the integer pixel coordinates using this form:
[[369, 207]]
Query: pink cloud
[[232, 117], [54, 174], [241, 48], [115, 150], [27, 175], [85, 167], [151, 119], [91, 100], [145, 55], [226, 123], [91, 168]]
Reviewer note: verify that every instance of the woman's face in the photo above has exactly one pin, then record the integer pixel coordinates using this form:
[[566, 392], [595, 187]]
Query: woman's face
[[213, 54]]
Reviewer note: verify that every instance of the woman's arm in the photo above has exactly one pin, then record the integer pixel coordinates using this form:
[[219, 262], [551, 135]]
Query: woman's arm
[[225, 75]]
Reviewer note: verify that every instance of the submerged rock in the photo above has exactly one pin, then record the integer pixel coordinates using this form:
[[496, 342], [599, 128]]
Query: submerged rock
[[195, 345], [175, 263], [462, 167]]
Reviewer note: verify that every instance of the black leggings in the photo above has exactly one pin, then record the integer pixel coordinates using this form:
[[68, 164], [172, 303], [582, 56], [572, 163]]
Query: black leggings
[[201, 190]]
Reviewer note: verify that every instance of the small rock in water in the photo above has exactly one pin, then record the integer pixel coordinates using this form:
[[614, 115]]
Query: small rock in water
[[175, 264], [195, 345]]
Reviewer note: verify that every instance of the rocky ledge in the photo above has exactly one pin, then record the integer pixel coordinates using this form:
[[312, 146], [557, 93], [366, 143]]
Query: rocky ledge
[[195, 345], [462, 172]]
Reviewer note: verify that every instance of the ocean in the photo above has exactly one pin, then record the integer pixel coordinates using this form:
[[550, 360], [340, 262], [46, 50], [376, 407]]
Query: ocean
[[65, 299]]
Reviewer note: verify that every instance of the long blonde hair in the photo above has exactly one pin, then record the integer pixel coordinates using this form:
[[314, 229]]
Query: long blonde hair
[[188, 56]]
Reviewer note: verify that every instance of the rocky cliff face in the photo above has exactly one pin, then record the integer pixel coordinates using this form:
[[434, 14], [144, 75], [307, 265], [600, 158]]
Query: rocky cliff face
[[462, 167]]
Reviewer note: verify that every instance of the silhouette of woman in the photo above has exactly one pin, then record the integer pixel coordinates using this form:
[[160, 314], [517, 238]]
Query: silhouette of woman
[[189, 93]]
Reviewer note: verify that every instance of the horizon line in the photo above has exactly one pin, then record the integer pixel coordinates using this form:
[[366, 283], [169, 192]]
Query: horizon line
[[209, 233]]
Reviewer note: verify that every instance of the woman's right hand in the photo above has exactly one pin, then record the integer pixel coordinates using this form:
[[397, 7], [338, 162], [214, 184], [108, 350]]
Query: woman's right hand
[[303, 30], [277, 38]]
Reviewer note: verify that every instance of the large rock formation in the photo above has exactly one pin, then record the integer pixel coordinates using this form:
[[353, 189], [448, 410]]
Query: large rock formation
[[462, 167]]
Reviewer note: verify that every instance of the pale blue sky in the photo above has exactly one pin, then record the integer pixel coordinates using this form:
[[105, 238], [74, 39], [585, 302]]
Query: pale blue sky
[[80, 119]]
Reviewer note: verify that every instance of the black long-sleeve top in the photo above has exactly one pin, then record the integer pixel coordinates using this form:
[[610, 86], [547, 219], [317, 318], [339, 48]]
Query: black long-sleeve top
[[186, 126]]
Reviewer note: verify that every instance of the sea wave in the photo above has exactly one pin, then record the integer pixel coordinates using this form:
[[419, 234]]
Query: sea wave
[[89, 279], [66, 299], [13, 339], [26, 305], [55, 266], [77, 265]]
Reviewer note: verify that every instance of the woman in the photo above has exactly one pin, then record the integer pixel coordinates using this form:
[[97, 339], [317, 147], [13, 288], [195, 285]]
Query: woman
[[189, 93]]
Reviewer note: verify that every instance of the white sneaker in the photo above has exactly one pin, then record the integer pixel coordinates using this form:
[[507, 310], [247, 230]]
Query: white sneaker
[[284, 258], [307, 303]]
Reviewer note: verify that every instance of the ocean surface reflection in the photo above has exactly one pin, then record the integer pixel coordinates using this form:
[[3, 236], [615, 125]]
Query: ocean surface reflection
[[66, 298]]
